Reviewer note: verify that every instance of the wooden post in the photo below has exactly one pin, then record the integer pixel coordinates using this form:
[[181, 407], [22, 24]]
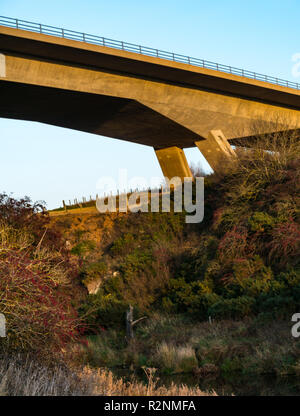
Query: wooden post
[[2, 326], [64, 205], [130, 323]]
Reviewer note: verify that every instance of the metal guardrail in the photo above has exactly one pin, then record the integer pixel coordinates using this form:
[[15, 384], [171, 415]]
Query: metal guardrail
[[143, 50]]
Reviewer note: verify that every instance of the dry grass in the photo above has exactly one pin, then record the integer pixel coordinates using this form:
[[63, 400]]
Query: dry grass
[[75, 211], [105, 384], [176, 358], [21, 376]]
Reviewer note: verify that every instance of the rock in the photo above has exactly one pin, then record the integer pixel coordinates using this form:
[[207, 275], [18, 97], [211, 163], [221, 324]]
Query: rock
[[93, 286]]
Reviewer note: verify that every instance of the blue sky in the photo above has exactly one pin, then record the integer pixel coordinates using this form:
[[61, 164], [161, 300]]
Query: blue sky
[[51, 164]]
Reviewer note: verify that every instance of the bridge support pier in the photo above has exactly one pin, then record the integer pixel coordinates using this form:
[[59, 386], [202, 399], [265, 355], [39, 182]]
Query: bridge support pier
[[173, 162], [216, 149]]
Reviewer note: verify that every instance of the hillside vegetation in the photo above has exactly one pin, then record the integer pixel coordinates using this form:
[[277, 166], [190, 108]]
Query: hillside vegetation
[[241, 261]]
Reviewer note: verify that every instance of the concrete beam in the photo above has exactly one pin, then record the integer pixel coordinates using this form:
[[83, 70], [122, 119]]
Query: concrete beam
[[216, 149], [173, 163]]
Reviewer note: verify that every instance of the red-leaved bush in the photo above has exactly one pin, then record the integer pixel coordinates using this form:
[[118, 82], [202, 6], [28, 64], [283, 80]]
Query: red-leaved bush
[[35, 295], [233, 245], [285, 244]]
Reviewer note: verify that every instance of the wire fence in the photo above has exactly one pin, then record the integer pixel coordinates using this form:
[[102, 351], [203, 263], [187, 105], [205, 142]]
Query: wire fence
[[143, 50]]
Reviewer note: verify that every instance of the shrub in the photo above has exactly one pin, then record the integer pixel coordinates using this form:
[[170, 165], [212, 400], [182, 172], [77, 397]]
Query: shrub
[[285, 244], [260, 222], [235, 308], [83, 248], [34, 295], [122, 245], [32, 217], [93, 271]]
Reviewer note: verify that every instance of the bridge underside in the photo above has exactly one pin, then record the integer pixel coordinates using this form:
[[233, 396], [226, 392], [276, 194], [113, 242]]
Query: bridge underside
[[113, 117]]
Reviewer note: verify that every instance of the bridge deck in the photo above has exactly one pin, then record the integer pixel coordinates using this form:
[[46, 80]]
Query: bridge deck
[[221, 78]]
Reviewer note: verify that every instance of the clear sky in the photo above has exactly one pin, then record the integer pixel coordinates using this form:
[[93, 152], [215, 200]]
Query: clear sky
[[51, 164]]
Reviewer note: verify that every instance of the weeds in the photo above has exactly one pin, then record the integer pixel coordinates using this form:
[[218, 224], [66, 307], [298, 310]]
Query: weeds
[[23, 376]]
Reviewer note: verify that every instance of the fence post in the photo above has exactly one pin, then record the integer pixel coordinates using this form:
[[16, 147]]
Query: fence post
[[2, 326]]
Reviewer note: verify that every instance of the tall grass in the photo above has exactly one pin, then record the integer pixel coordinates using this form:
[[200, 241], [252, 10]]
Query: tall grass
[[23, 376], [177, 359]]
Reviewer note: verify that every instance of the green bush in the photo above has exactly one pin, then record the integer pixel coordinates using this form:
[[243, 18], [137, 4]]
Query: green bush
[[232, 308], [260, 222], [83, 248], [93, 271], [122, 245]]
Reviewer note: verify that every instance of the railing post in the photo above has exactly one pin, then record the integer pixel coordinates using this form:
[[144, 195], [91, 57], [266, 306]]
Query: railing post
[[17, 23], [103, 40], [122, 43], [62, 33], [140, 49], [83, 37], [189, 60]]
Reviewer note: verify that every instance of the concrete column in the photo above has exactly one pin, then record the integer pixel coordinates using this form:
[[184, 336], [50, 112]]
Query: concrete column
[[216, 149], [173, 162]]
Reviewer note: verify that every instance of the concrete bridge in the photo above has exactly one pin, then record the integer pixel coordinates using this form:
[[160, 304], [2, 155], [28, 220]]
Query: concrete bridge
[[139, 94]]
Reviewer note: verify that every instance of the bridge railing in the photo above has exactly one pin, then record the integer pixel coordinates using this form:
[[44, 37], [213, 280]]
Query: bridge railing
[[143, 50]]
